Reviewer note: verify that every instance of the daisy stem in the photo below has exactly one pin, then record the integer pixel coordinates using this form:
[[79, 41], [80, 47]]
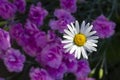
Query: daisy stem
[[103, 56], [103, 64], [113, 8]]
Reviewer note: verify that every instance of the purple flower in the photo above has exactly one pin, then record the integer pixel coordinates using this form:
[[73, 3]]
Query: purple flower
[[40, 39], [31, 28], [14, 60], [30, 38], [39, 74], [33, 43], [104, 27], [29, 45], [50, 56], [69, 5], [64, 18], [58, 24], [4, 40], [37, 14], [58, 73], [51, 36], [83, 69], [16, 31], [7, 9], [20, 4], [70, 62], [63, 14], [79, 68]]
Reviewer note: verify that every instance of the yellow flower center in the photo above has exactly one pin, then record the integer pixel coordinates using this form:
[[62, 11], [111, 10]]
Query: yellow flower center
[[79, 39]]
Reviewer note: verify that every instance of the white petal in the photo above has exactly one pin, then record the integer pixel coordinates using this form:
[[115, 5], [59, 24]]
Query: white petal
[[82, 27], [88, 29], [93, 48], [91, 33], [87, 25], [90, 43], [70, 28], [93, 37], [68, 37], [84, 53], [93, 41], [90, 48], [73, 49], [77, 26], [68, 45], [67, 41], [68, 49], [74, 29], [76, 53], [68, 33], [79, 53]]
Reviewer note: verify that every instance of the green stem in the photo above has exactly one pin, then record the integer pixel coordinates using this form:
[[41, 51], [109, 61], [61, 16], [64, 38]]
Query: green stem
[[113, 9]]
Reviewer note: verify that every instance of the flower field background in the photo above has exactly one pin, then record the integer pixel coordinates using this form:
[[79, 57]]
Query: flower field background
[[30, 40]]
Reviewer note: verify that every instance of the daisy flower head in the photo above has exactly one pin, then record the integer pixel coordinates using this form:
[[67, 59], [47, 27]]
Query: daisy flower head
[[79, 40]]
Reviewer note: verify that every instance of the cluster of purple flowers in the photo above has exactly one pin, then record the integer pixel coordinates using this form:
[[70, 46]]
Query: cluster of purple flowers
[[63, 18], [13, 59], [28, 35], [63, 15], [45, 47], [25, 36], [48, 52]]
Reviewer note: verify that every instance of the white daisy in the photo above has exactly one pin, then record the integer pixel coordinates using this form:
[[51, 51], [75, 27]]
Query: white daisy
[[80, 40]]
